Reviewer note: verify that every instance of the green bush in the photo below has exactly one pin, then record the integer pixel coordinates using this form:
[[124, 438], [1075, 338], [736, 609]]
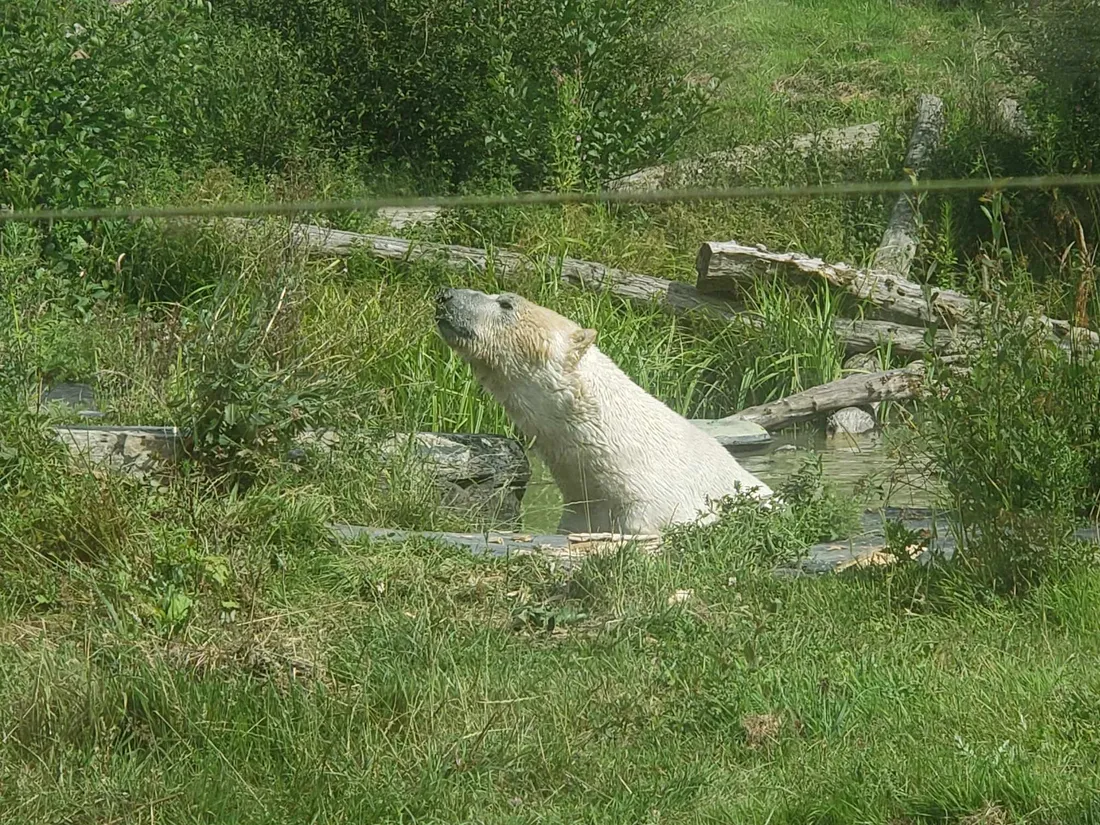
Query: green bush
[[484, 89], [247, 392], [92, 93], [1015, 443], [1062, 51]]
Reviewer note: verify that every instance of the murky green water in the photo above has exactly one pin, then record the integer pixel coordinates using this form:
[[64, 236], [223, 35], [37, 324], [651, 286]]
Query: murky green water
[[861, 466]]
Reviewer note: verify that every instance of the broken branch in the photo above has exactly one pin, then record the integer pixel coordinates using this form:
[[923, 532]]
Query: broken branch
[[900, 384]]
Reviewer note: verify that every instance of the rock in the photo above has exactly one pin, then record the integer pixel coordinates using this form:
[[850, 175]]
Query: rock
[[732, 433], [78, 397], [486, 474], [680, 596], [322, 440], [483, 475], [138, 451], [850, 421], [399, 218], [1012, 118], [863, 362]]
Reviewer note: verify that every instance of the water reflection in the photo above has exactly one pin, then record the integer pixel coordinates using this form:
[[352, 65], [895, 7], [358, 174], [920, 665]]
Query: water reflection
[[866, 467]]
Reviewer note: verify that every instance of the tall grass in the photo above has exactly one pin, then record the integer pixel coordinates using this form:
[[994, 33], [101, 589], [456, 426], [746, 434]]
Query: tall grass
[[372, 683]]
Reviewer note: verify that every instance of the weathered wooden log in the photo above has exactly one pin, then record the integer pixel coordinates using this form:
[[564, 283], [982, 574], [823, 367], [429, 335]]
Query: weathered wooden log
[[904, 341], [485, 475], [674, 295], [900, 384], [898, 247], [723, 268], [856, 336], [848, 139]]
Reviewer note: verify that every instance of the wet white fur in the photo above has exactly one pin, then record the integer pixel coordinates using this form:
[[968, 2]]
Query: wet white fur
[[624, 461]]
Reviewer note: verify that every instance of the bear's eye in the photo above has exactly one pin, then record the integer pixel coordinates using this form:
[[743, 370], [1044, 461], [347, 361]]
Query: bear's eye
[[504, 303]]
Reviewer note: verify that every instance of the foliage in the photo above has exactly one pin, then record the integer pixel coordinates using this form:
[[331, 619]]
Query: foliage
[[819, 511], [249, 394], [1062, 51], [1016, 443], [400, 80], [93, 93], [23, 445]]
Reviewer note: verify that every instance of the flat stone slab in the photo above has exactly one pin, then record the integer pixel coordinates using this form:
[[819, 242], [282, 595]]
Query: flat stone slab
[[78, 397], [733, 433], [568, 550], [865, 549], [868, 547]]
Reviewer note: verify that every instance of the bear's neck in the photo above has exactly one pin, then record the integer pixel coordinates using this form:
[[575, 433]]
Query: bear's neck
[[569, 414]]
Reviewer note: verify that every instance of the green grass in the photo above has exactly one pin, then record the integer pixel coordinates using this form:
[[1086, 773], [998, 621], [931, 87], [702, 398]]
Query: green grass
[[428, 685], [198, 655], [797, 66]]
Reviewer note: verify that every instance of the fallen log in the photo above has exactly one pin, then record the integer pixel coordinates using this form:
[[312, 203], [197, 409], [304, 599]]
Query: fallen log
[[856, 336], [674, 295], [900, 384], [904, 341], [848, 139], [723, 268], [727, 268], [898, 247]]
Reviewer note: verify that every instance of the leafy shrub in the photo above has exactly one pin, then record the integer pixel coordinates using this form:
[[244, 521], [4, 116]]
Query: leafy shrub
[[91, 92], [1015, 443], [247, 396], [1062, 51], [482, 88], [817, 509], [813, 511], [23, 441]]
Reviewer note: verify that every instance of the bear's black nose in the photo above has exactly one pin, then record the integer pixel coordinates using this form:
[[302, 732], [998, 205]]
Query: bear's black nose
[[444, 295]]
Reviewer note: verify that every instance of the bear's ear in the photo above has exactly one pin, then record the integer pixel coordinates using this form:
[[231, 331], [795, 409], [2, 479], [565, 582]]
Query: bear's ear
[[579, 342]]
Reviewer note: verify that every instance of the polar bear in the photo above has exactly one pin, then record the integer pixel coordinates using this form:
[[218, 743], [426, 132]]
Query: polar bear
[[624, 461]]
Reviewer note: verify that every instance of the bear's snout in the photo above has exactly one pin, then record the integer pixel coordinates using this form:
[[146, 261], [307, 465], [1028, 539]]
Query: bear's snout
[[454, 315]]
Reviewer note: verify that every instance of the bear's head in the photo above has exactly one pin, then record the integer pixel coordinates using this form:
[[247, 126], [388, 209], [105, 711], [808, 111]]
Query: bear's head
[[507, 335]]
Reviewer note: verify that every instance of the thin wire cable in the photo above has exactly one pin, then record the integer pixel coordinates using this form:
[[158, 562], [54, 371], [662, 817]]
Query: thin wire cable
[[552, 199]]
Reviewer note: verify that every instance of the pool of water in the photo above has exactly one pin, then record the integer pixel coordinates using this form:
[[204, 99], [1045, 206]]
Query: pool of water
[[860, 466]]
